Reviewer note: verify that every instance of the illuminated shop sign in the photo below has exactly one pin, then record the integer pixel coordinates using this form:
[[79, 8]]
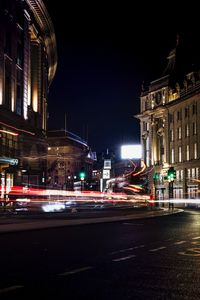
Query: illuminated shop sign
[[11, 161]]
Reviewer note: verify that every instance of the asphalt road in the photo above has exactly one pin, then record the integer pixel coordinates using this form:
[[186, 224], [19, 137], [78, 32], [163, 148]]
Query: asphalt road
[[156, 258]]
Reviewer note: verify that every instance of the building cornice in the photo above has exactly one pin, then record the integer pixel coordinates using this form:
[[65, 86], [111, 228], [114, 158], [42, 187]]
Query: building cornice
[[43, 20]]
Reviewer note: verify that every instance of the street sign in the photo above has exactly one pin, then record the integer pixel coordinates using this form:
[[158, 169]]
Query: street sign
[[107, 164], [106, 174]]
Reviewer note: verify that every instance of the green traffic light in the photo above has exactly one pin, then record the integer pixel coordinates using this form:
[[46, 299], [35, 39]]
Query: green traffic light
[[82, 175], [171, 174]]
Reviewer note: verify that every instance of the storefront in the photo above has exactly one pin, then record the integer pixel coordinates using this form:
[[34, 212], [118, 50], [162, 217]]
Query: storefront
[[7, 166]]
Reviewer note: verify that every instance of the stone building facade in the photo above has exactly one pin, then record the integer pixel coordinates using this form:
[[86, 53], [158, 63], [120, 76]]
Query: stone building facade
[[68, 156], [28, 61], [170, 127]]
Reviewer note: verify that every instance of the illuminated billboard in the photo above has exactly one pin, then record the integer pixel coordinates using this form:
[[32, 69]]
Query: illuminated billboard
[[131, 151]]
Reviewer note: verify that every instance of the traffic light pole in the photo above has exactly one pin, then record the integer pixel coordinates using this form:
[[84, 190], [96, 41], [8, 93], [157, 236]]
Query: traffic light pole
[[171, 193], [171, 189], [82, 185]]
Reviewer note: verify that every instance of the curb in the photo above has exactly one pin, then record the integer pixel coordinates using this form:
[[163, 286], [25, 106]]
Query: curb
[[6, 228]]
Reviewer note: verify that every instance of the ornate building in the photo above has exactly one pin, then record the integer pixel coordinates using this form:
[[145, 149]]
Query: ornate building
[[68, 157], [28, 62], [170, 125]]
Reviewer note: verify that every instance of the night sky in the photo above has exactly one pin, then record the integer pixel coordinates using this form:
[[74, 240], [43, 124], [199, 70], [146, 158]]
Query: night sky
[[105, 52]]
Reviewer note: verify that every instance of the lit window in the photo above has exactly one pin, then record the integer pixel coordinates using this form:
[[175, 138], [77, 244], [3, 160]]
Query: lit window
[[187, 130], [194, 125], [172, 156], [181, 174], [179, 133], [193, 173], [179, 154], [187, 152], [195, 150]]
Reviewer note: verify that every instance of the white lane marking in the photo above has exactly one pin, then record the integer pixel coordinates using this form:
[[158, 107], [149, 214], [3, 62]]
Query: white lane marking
[[122, 250], [123, 258], [126, 223], [76, 271], [179, 243], [196, 238], [140, 246], [126, 250], [157, 249], [11, 288]]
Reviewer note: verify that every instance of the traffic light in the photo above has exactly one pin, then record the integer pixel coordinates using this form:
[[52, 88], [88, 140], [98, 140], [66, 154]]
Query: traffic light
[[171, 174], [156, 176], [82, 174]]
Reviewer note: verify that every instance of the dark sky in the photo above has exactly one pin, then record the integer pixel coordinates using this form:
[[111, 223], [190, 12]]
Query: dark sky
[[105, 51]]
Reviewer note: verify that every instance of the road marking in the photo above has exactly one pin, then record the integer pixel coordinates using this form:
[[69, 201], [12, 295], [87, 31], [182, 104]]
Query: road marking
[[76, 271], [126, 250], [157, 249], [180, 242], [123, 258], [196, 238], [140, 246], [126, 223], [11, 288], [122, 250]]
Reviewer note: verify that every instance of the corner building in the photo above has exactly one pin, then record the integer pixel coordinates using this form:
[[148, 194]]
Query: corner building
[[170, 125], [28, 61], [68, 156]]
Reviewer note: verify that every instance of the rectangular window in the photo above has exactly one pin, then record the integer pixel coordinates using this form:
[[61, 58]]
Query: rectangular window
[[187, 152], [194, 108], [171, 118], [172, 135], [197, 173], [181, 174], [186, 112], [194, 127], [19, 54], [179, 154], [8, 91], [187, 131], [19, 100], [172, 156], [179, 133], [193, 173], [195, 150], [177, 175]]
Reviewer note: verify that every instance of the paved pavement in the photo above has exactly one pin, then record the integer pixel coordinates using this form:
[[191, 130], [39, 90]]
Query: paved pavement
[[13, 224]]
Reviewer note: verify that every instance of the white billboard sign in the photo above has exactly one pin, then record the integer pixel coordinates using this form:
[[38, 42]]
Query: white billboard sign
[[131, 151]]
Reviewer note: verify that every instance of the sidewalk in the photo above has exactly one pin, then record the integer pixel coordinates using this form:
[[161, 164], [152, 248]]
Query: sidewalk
[[13, 225]]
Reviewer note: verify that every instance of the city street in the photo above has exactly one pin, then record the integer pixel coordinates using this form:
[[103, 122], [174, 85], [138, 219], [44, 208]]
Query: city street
[[156, 258]]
